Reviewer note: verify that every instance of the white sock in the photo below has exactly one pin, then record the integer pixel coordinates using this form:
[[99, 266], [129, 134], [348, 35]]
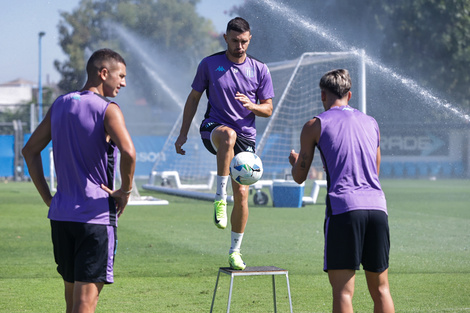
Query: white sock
[[221, 192], [236, 242]]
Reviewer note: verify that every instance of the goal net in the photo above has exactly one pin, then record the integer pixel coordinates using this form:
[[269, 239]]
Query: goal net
[[297, 100]]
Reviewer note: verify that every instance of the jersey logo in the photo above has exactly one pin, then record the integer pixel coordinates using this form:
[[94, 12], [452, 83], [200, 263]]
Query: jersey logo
[[249, 149], [250, 72], [220, 69], [76, 97]]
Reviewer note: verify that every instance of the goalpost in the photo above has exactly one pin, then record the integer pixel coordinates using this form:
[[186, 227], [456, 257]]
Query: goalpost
[[297, 100]]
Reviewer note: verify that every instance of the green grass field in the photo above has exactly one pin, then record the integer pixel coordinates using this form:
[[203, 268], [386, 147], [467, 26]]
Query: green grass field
[[168, 256]]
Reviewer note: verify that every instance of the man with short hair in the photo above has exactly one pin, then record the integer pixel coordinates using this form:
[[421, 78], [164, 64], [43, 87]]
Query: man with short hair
[[86, 130], [234, 83], [356, 222]]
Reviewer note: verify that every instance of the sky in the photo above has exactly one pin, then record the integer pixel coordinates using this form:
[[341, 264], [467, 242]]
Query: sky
[[21, 21]]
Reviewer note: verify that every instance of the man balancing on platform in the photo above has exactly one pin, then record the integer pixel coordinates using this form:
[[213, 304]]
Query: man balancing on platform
[[234, 83]]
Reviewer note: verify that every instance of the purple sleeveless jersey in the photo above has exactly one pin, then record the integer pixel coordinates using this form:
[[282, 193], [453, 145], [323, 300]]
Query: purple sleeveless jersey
[[222, 79], [348, 145], [83, 160]]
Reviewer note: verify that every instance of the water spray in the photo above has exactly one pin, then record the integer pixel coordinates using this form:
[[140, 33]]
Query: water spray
[[411, 85]]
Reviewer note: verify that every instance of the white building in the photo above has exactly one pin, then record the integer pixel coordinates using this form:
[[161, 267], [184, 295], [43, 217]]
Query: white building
[[16, 92]]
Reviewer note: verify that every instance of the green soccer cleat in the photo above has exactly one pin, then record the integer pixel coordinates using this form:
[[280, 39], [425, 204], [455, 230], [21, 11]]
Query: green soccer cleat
[[235, 261], [220, 214]]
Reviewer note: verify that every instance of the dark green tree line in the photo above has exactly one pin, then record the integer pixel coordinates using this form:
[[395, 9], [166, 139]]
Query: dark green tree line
[[431, 38], [173, 25], [426, 40]]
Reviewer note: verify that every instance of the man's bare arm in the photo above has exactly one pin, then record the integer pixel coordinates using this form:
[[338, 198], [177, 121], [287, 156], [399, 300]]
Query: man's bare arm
[[116, 128], [32, 156], [263, 109], [302, 161], [190, 109]]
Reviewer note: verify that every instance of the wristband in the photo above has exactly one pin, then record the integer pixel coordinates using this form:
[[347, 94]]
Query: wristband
[[127, 192]]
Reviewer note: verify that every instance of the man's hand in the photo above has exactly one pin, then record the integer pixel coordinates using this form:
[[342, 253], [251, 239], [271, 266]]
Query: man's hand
[[245, 101], [179, 143], [263, 109], [120, 197], [293, 157]]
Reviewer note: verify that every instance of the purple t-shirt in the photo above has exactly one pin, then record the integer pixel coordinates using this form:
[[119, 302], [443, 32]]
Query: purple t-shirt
[[348, 145], [83, 160], [221, 78]]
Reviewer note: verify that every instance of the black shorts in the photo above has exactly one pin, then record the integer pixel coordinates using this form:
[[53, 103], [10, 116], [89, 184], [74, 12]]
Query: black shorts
[[84, 252], [357, 237], [241, 144]]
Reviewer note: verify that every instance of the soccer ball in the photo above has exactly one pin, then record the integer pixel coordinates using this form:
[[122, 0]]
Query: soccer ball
[[246, 168]]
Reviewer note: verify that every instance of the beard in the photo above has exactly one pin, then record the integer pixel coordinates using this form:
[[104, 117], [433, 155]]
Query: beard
[[237, 53]]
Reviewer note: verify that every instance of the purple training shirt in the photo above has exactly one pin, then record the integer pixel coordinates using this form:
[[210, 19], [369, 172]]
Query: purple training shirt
[[222, 79], [83, 160], [348, 145]]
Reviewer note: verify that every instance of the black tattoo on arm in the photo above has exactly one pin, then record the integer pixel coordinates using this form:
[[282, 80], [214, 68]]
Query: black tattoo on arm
[[303, 164]]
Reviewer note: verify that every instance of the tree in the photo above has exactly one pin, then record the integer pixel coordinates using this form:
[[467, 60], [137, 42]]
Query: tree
[[172, 37], [174, 25], [285, 30], [78, 31], [426, 40], [430, 38]]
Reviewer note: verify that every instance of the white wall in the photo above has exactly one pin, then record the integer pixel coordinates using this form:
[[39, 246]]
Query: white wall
[[11, 95]]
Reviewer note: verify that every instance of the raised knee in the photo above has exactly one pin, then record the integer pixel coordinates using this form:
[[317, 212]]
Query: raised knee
[[226, 136]]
